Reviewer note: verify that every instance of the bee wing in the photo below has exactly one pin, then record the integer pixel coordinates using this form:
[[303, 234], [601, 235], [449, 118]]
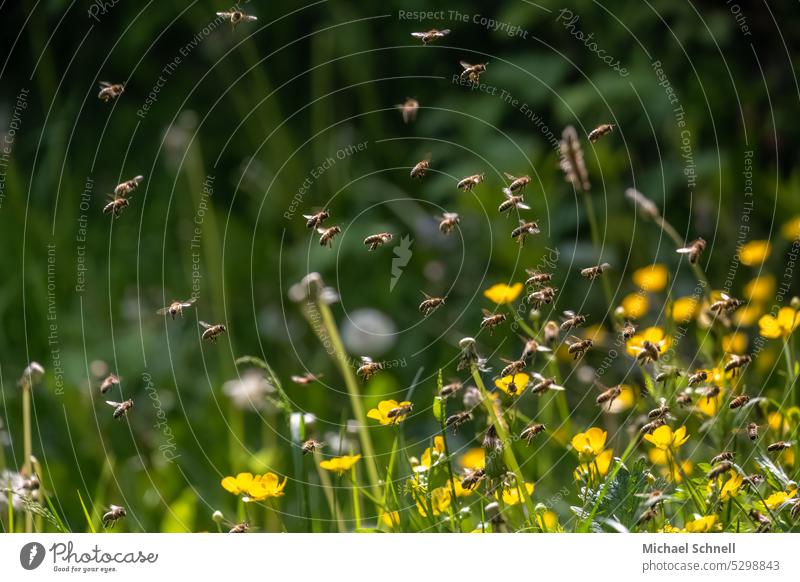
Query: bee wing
[[309, 216], [450, 215], [523, 206], [162, 311], [105, 84], [441, 33], [112, 403], [509, 176], [366, 360], [425, 295], [569, 313], [538, 376], [189, 301], [505, 361], [204, 325], [249, 18], [556, 387], [487, 313], [465, 64], [725, 296], [418, 34], [684, 250], [224, 14]]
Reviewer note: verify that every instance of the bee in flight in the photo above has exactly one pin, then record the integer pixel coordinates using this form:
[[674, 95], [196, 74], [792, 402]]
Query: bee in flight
[[725, 304], [306, 379], [400, 411], [368, 368], [651, 426], [543, 384], [578, 347], [684, 399], [608, 395], [430, 304], [594, 272], [628, 330], [242, 527], [375, 240], [109, 91], [430, 36], [537, 278], [408, 109], [176, 308], [115, 206], [516, 185], [659, 412], [709, 392], [109, 382], [310, 446], [720, 469], [472, 478], [513, 367], [236, 17], [125, 188], [572, 320], [543, 296], [114, 514], [736, 363], [723, 456], [668, 372], [530, 432], [451, 388], [512, 201], [491, 320], [120, 408], [212, 332], [694, 249], [454, 421], [697, 378], [448, 222], [752, 431], [468, 183], [648, 351], [421, 167], [315, 220], [762, 521], [779, 446], [530, 349], [472, 72], [600, 131], [326, 235], [524, 229], [739, 401]]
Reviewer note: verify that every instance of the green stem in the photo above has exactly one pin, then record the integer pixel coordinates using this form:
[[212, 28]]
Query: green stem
[[676, 238], [597, 241], [584, 527], [27, 444], [790, 383]]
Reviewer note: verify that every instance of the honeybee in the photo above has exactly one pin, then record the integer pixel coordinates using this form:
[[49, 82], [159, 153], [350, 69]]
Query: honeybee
[[108, 383], [420, 169], [739, 401], [719, 469], [115, 206], [530, 349], [651, 426], [525, 229], [779, 446], [122, 190], [450, 389], [697, 378], [537, 278], [448, 222], [579, 347], [176, 308], [660, 412], [472, 72], [684, 399], [512, 367], [32, 483], [315, 220], [109, 91], [594, 272], [114, 513], [550, 332], [212, 332], [736, 363], [375, 240], [512, 201], [648, 352], [409, 109], [668, 372], [430, 36], [471, 480], [491, 320], [236, 17], [725, 305], [648, 515], [456, 420], [762, 521], [694, 249], [468, 183], [600, 131], [723, 456], [628, 330], [653, 498], [306, 379], [398, 412], [430, 304], [310, 446], [572, 320], [609, 396], [543, 384], [543, 296], [710, 392], [368, 368], [752, 431], [530, 432], [327, 235], [240, 528], [516, 185], [120, 408]]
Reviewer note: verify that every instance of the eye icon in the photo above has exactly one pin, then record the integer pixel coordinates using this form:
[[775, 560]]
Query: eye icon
[[31, 555]]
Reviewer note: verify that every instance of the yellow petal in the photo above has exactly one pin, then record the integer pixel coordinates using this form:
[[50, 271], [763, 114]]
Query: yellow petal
[[652, 278], [502, 293], [635, 305], [755, 252]]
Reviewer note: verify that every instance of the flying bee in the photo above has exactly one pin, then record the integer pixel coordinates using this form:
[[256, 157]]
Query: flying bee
[[512, 367], [456, 420], [659, 412], [653, 498], [752, 431], [212, 332], [530, 432], [120, 408], [368, 368], [694, 249], [516, 185], [725, 305], [572, 320], [651, 426], [600, 131], [375, 240], [530, 349], [398, 412], [736, 363], [648, 515], [491, 320], [315, 220], [668, 372], [684, 399], [723, 456], [468, 183], [537, 278], [431, 35], [311, 446], [543, 296], [176, 308], [720, 469], [753, 480], [762, 521], [472, 72], [242, 527], [236, 17], [524, 229], [109, 91], [739, 401], [450, 389], [779, 446], [448, 222], [592, 273], [114, 513], [327, 235], [628, 330], [543, 384], [608, 396], [578, 347], [420, 169], [648, 352], [122, 190], [430, 304], [710, 392], [697, 378], [108, 383], [306, 379], [32, 483], [115, 206], [471, 480], [512, 201], [409, 109]]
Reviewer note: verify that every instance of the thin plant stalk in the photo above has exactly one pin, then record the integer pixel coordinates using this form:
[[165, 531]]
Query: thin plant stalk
[[27, 443]]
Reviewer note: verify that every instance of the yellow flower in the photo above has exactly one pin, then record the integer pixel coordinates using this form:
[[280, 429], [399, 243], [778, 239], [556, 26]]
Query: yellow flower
[[427, 459], [760, 288], [589, 444], [664, 439], [440, 501], [474, 459], [520, 381], [668, 528], [731, 487], [265, 486], [781, 326], [598, 467], [460, 490], [701, 525], [502, 293], [735, 343], [791, 229], [778, 498], [655, 335], [755, 252], [658, 456], [239, 484], [547, 521], [339, 464], [652, 278], [511, 496], [748, 314], [710, 406], [625, 400], [684, 309], [635, 305], [381, 413], [391, 519]]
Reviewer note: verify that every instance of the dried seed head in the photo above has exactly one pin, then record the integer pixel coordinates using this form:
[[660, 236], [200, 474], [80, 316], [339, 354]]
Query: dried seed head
[[32, 373], [491, 441], [572, 162], [646, 207]]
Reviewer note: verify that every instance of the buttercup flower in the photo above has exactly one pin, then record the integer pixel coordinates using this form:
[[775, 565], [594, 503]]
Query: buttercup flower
[[598, 467], [701, 525], [791, 229], [734, 343], [391, 519], [778, 498], [664, 439], [502, 293], [265, 486], [635, 305], [440, 501], [755, 252], [339, 464], [731, 487], [652, 278], [781, 326], [239, 484], [684, 309], [513, 385], [760, 288], [431, 455], [547, 521], [474, 459], [382, 412], [511, 496], [589, 444]]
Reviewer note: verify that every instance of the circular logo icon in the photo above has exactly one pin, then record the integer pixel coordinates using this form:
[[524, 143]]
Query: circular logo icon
[[31, 555]]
